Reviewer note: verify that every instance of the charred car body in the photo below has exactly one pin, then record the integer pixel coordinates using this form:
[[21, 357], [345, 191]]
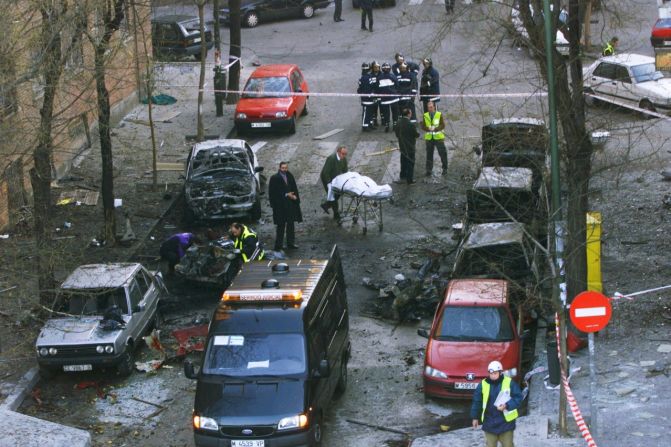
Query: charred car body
[[110, 307], [222, 181], [212, 264]]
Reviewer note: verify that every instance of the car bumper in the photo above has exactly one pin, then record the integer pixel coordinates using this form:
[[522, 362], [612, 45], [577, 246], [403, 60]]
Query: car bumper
[[223, 211], [185, 51], [445, 389], [300, 439], [660, 41], [100, 361], [274, 124]]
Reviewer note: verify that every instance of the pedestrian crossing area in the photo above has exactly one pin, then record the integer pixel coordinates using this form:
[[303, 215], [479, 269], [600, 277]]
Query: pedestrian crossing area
[[377, 159]]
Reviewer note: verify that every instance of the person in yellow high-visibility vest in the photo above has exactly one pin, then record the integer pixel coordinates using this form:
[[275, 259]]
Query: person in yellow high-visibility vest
[[247, 242], [495, 404], [433, 125]]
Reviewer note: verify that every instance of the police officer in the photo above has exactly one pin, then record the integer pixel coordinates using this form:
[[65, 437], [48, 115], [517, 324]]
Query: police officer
[[386, 83], [609, 48], [396, 68], [247, 242], [374, 76], [433, 125], [406, 86], [429, 87], [366, 87]]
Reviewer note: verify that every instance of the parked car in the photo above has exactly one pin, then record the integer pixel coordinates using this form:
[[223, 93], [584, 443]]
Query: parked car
[[628, 80], [222, 181], [269, 102], [253, 12], [660, 36], [108, 307], [522, 36], [472, 325], [376, 4], [178, 35], [502, 194]]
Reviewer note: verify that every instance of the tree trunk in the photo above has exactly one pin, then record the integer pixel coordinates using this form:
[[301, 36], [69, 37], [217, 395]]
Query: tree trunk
[[234, 52], [216, 28], [201, 80]]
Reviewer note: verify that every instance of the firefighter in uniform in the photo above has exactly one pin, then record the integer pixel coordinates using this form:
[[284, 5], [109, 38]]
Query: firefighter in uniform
[[406, 86], [366, 86], [400, 59], [429, 87], [495, 404], [374, 76], [247, 242], [388, 104]]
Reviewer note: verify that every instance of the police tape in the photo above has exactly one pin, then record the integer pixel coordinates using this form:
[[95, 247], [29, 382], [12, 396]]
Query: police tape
[[630, 296], [572, 402]]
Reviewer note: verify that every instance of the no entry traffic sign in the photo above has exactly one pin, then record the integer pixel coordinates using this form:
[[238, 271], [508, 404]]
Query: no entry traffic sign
[[590, 311]]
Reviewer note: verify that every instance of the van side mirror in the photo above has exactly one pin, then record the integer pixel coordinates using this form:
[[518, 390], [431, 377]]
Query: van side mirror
[[423, 333], [189, 370], [323, 370]]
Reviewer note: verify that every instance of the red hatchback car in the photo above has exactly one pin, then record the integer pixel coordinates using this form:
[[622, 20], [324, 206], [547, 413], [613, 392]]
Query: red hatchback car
[[269, 99], [661, 33], [473, 326]]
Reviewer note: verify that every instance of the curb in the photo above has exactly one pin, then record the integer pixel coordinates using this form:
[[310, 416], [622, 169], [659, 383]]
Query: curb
[[16, 397]]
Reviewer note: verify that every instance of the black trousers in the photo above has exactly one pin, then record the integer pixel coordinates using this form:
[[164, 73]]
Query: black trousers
[[449, 5], [338, 10], [279, 234], [408, 164], [366, 12], [366, 115], [442, 152], [387, 110]]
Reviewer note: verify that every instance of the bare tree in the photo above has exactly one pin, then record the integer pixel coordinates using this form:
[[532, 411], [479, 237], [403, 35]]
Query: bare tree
[[203, 57], [235, 51]]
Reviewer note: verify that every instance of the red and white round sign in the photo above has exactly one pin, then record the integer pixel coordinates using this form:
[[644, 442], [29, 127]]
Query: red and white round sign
[[590, 311]]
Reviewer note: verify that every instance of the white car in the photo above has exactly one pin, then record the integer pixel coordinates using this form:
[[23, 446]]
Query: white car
[[522, 36], [628, 80]]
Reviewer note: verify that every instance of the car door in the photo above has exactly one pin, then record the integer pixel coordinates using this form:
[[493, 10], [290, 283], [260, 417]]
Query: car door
[[136, 294], [603, 81], [295, 8], [276, 9], [625, 87], [297, 86]]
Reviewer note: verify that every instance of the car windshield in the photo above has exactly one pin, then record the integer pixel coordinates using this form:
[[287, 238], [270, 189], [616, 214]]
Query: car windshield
[[646, 72], [243, 355], [219, 160], [93, 301], [663, 23], [267, 87], [475, 323]]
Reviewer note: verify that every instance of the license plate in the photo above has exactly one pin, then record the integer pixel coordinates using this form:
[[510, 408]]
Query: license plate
[[465, 385], [196, 40], [77, 368], [260, 124], [667, 42], [247, 443]]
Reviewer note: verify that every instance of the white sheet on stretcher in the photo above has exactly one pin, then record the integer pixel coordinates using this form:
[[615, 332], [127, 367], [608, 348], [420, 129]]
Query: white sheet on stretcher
[[355, 184]]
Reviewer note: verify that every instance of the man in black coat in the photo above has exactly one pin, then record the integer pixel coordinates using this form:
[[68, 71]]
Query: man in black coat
[[407, 135], [286, 205], [366, 10]]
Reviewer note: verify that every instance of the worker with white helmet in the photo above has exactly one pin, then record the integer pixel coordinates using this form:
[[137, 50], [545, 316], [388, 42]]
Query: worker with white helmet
[[495, 404]]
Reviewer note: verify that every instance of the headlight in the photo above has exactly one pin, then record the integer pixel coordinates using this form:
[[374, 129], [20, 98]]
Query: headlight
[[204, 423], [100, 349], [44, 352], [298, 421], [280, 114], [510, 372], [109, 349], [53, 351], [241, 116], [432, 372]]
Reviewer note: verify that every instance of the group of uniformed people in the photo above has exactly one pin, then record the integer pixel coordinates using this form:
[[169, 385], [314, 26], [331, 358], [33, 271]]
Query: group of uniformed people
[[387, 89]]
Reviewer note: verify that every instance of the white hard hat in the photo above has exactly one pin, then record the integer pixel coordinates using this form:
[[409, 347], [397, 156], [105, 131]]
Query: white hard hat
[[495, 366]]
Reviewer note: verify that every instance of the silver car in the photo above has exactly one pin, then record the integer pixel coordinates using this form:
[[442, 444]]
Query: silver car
[[103, 310]]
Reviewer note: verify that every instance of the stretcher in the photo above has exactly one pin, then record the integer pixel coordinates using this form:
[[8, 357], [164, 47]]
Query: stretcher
[[357, 196]]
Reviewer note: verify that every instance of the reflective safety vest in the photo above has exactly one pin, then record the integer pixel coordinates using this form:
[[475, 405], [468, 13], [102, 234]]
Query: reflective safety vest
[[436, 135], [509, 416], [258, 252], [608, 50]]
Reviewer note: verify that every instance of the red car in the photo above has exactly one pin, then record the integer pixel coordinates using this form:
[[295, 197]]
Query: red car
[[473, 325], [269, 99], [661, 33]]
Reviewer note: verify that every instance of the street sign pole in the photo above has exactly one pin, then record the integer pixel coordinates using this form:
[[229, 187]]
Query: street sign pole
[[592, 383]]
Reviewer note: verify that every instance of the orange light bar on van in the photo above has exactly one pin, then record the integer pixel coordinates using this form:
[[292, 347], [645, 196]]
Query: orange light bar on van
[[253, 296]]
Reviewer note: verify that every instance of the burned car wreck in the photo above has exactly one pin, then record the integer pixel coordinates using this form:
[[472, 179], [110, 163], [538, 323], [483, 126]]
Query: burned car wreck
[[213, 264], [222, 181]]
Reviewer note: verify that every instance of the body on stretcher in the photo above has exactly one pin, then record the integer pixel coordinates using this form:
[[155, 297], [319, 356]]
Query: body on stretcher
[[365, 198]]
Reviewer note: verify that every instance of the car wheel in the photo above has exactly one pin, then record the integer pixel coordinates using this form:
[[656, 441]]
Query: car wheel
[[317, 431], [292, 125], [251, 19], [589, 100], [342, 381], [308, 11], [647, 105], [197, 55], [305, 109], [125, 367], [255, 214]]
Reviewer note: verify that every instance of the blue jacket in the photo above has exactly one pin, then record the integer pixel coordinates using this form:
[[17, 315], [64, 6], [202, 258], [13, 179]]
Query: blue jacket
[[494, 421], [367, 84], [430, 83]]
